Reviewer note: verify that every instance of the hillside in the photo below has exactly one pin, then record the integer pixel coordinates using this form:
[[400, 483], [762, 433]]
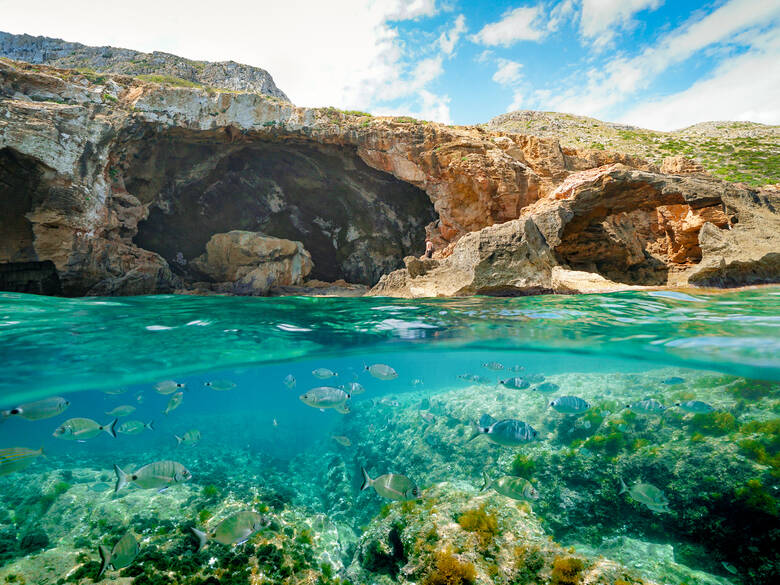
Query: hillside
[[736, 151], [155, 67]]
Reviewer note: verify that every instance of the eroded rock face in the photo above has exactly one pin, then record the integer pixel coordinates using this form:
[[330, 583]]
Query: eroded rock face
[[251, 263]]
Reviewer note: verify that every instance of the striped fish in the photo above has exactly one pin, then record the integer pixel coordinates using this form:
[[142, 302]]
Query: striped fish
[[17, 458]]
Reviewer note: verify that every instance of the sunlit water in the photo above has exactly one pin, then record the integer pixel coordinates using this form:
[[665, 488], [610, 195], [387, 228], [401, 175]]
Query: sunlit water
[[719, 471]]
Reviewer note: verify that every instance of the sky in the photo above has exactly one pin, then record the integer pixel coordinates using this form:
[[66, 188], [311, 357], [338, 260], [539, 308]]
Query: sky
[[659, 64]]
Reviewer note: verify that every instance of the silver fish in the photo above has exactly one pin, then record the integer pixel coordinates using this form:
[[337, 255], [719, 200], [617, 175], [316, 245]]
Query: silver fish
[[114, 391], [233, 530], [516, 369], [121, 411], [391, 485], [135, 427], [353, 388], [569, 404], [324, 397], [189, 439], [515, 383], [160, 475], [416, 382], [474, 378], [495, 366], [428, 416], [15, 459], [516, 488], [79, 429], [647, 406], [646, 494], [323, 373], [289, 381], [382, 372], [40, 409], [534, 378], [174, 402], [168, 386], [124, 552], [220, 385], [547, 387], [695, 407], [508, 432]]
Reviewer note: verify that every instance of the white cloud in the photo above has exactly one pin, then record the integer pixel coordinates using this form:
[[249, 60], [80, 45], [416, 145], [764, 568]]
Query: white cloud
[[517, 101], [450, 38], [429, 106], [508, 72], [561, 12], [600, 19], [521, 24], [344, 53], [484, 56]]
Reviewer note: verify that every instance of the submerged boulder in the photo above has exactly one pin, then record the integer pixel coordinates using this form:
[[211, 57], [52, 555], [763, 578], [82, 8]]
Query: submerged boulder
[[253, 262]]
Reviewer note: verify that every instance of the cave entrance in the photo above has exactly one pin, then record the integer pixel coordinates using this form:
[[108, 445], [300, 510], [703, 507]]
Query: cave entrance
[[356, 222], [20, 181]]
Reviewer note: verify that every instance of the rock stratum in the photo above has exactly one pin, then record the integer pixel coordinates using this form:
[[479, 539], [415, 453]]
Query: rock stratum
[[122, 184]]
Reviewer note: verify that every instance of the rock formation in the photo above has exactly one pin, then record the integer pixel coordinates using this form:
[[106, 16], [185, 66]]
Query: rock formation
[[121, 183]]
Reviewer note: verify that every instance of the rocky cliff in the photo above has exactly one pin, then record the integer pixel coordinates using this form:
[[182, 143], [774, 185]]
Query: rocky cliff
[[59, 53], [121, 183]]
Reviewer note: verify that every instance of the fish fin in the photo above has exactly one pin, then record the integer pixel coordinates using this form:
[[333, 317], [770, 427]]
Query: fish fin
[[486, 481], [367, 481], [240, 542], [150, 425], [203, 538], [476, 431], [111, 428], [623, 487], [105, 559], [121, 478], [343, 409], [178, 440], [161, 490]]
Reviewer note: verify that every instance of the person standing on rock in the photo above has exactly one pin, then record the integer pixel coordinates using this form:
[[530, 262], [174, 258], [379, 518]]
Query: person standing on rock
[[428, 249]]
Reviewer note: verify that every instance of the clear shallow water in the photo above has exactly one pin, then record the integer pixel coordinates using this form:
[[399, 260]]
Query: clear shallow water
[[261, 446]]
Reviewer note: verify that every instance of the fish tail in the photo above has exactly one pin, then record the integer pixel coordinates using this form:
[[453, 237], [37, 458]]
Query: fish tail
[[476, 431], [623, 487], [486, 481], [202, 537], [150, 425], [111, 428], [367, 481], [105, 559], [121, 478], [178, 440]]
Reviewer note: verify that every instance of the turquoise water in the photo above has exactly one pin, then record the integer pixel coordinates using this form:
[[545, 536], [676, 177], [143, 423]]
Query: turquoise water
[[262, 449]]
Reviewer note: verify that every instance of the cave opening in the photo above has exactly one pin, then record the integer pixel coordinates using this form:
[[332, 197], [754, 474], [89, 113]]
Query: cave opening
[[356, 222]]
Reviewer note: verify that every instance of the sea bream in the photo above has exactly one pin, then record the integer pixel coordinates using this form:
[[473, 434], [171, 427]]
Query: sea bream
[[569, 405], [121, 411], [515, 383], [220, 385], [124, 552], [391, 485], [289, 381], [517, 488], [188, 439], [382, 372], [324, 397], [135, 427], [174, 402], [40, 409], [647, 406], [15, 459], [508, 432], [323, 373], [168, 386], [233, 530], [80, 429], [646, 494], [158, 475], [695, 407]]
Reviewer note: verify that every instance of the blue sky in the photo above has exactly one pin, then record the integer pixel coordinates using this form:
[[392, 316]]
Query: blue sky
[[660, 64]]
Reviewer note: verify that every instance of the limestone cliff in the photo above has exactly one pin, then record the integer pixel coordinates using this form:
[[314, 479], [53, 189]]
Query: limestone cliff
[[120, 183]]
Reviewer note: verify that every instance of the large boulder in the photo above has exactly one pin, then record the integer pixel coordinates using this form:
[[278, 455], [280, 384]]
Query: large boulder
[[253, 262]]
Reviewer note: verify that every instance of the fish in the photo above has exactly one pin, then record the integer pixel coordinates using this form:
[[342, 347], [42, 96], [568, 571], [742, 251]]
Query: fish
[[547, 387], [382, 372], [160, 475], [114, 391], [647, 406], [695, 407], [342, 440], [416, 382], [139, 398], [495, 366], [516, 369], [323, 373], [646, 494], [121, 411], [508, 432], [124, 552], [569, 405], [674, 380], [274, 423], [99, 487], [174, 402], [474, 378], [388, 402], [515, 383], [135, 427], [188, 439], [517, 488], [289, 381], [324, 397], [79, 429], [730, 568], [428, 416], [391, 485], [220, 385], [234, 530], [353, 388], [534, 378], [14, 459], [168, 386], [39, 410]]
